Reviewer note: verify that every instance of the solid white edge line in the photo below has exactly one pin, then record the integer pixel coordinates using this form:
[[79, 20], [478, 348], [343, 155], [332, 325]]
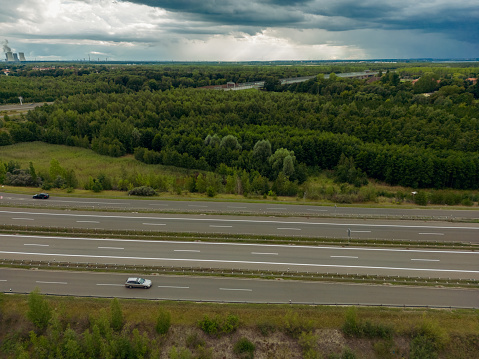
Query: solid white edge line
[[344, 257], [110, 248], [238, 289], [36, 245]]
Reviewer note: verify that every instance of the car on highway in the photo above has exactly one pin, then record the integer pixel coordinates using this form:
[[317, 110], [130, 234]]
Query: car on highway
[[135, 282], [41, 196]]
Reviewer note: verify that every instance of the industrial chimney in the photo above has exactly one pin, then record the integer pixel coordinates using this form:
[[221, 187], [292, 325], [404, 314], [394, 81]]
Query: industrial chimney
[[22, 56], [9, 55]]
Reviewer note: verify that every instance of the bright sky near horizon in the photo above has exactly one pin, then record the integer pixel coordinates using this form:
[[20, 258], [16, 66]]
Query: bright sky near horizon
[[240, 30]]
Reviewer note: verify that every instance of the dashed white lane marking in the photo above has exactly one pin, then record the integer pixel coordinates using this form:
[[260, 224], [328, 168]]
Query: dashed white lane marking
[[317, 210], [271, 254], [42, 282], [425, 260], [88, 222], [3, 280], [186, 250], [273, 208], [110, 248], [360, 231], [23, 219], [237, 289], [172, 286], [344, 257], [159, 204], [213, 226], [36, 245], [154, 224], [236, 207], [197, 205], [433, 234], [112, 285], [289, 229]]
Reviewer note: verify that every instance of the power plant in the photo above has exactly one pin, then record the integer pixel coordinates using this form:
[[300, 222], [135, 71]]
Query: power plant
[[12, 56]]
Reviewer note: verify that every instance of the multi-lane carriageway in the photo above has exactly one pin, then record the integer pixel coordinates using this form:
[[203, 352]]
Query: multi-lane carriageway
[[434, 263]]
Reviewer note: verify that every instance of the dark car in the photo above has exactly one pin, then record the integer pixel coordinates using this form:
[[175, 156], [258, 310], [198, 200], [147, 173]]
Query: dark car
[[137, 283], [41, 196]]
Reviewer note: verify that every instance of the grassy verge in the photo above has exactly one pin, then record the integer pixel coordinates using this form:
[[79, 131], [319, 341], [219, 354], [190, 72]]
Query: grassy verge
[[277, 331]]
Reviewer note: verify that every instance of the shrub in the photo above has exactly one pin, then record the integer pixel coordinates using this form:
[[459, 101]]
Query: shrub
[[244, 348], [209, 326], [193, 341], [142, 191], [266, 328], [116, 315], [163, 322], [231, 324], [39, 311], [353, 328], [294, 325], [181, 353], [216, 327]]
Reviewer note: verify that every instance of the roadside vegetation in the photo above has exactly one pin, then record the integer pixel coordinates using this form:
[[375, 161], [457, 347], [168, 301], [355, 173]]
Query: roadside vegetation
[[38, 326]]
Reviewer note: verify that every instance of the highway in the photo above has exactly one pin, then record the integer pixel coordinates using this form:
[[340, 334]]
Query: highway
[[236, 208], [232, 290], [445, 264], [434, 231]]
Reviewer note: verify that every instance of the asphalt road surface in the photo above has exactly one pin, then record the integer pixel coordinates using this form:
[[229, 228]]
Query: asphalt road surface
[[280, 209], [232, 290], [239, 256], [434, 231]]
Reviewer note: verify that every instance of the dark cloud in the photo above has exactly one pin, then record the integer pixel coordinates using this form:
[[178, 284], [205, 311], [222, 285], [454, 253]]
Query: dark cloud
[[457, 18]]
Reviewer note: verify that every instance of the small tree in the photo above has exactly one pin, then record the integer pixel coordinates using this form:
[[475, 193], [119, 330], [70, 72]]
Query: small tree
[[39, 311], [116, 315], [163, 322]]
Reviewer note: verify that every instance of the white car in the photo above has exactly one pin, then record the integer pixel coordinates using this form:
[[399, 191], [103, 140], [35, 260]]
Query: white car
[[135, 282]]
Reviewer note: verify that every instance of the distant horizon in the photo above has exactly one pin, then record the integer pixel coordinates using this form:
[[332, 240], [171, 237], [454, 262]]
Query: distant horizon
[[452, 60]]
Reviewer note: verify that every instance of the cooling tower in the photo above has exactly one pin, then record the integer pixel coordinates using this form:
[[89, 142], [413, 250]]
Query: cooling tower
[[22, 56], [9, 56], [15, 56]]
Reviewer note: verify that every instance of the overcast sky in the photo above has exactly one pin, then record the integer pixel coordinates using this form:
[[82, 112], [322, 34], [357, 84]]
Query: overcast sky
[[240, 30]]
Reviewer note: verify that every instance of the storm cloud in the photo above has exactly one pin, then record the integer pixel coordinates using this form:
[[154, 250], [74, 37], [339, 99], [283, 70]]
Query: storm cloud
[[241, 30]]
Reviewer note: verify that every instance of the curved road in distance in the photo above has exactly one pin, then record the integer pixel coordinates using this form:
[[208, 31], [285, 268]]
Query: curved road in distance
[[165, 206], [232, 290], [242, 256], [434, 231]]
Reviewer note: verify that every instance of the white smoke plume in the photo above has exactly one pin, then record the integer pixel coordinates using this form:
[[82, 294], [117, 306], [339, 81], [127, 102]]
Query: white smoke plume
[[6, 48]]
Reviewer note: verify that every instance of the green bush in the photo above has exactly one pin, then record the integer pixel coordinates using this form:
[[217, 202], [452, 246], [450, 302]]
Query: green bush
[[210, 326], [142, 191], [244, 348], [216, 326], [353, 328], [163, 322], [117, 321], [294, 325], [39, 311], [181, 353], [193, 341], [266, 328]]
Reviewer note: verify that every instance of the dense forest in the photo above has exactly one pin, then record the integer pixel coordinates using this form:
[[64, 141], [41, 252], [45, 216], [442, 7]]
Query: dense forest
[[420, 134]]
